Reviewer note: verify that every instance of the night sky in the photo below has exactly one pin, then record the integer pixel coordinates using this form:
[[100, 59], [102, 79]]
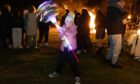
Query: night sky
[[21, 3], [26, 3]]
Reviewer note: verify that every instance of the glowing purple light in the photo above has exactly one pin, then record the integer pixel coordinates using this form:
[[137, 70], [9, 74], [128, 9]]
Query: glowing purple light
[[49, 11]]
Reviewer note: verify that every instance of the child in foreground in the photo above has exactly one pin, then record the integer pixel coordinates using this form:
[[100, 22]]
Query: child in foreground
[[67, 49]]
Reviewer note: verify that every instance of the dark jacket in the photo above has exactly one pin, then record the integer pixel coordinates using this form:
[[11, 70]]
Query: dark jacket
[[84, 21], [100, 20], [63, 19], [114, 21], [17, 22], [5, 23]]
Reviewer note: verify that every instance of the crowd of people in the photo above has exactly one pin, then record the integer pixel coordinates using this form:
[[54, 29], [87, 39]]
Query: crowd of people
[[19, 30]]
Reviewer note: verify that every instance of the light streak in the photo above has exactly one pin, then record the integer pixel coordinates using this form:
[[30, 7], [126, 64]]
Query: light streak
[[48, 10]]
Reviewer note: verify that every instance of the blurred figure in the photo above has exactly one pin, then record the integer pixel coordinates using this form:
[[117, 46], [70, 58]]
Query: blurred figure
[[100, 22], [24, 17], [31, 28], [17, 27], [122, 3], [115, 15], [83, 32], [43, 31], [76, 17], [6, 27], [67, 51], [63, 17], [134, 40], [78, 36]]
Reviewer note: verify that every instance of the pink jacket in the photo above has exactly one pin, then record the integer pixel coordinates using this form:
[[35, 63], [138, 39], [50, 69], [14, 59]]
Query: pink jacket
[[68, 34]]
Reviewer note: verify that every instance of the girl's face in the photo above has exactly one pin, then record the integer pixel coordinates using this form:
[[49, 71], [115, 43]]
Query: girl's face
[[68, 23]]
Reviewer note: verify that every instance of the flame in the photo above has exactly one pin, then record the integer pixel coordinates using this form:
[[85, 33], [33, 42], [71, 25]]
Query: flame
[[138, 31], [65, 6], [92, 22], [129, 17]]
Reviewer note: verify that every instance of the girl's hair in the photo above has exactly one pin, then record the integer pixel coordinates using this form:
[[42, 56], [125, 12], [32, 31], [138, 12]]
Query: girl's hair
[[69, 18], [32, 9]]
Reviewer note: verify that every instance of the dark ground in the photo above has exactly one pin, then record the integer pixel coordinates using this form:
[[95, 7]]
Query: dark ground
[[32, 66]]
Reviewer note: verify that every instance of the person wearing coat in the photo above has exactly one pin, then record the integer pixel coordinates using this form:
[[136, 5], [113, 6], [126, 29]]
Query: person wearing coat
[[100, 22], [31, 28], [6, 27], [67, 49], [17, 27], [43, 31], [134, 40], [83, 35], [64, 17], [115, 16]]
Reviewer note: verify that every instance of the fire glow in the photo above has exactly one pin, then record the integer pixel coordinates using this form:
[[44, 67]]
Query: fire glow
[[129, 17], [92, 22]]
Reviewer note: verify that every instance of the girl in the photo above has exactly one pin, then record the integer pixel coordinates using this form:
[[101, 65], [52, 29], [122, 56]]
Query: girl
[[68, 45]]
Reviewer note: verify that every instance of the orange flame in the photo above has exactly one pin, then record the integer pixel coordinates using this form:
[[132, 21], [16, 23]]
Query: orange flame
[[92, 22]]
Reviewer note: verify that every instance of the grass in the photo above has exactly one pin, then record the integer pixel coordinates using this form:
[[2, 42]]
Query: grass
[[32, 66]]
